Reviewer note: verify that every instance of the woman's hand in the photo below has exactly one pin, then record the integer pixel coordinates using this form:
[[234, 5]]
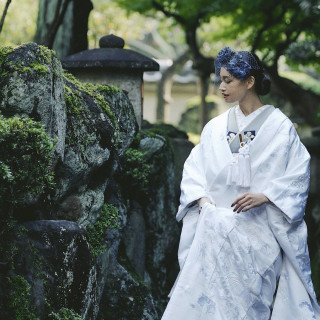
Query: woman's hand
[[202, 201], [248, 201]]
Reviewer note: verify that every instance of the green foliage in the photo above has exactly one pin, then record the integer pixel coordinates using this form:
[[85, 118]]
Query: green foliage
[[25, 157], [305, 52], [102, 22], [271, 27], [189, 11], [65, 314], [96, 233], [19, 299]]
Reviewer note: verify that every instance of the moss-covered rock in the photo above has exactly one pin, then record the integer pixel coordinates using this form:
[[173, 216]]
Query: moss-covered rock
[[26, 153], [96, 233], [94, 246], [19, 304], [53, 262], [151, 211], [31, 85], [125, 298], [97, 134]]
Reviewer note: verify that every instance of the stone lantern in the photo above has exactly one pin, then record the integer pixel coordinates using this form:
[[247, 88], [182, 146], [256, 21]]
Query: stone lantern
[[113, 65]]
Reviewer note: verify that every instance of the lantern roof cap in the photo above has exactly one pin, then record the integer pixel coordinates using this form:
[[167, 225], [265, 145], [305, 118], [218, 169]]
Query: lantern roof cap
[[110, 55]]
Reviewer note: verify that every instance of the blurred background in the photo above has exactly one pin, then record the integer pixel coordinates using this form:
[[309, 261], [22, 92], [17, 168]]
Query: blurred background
[[184, 36]]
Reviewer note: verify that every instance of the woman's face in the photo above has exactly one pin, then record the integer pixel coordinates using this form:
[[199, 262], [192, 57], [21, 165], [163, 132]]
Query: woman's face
[[232, 88]]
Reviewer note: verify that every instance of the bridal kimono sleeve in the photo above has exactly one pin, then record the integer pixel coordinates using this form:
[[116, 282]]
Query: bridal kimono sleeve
[[289, 191], [193, 184], [295, 298]]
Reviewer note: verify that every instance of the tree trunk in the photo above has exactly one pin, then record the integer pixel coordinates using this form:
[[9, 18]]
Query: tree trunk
[[204, 66], [164, 96], [165, 85], [62, 25], [204, 87], [305, 102], [5, 11]]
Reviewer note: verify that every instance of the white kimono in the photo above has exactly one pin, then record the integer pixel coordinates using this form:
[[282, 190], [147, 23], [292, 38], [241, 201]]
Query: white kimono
[[249, 265]]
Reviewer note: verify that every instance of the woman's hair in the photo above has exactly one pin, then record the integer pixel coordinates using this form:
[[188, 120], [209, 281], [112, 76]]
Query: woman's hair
[[242, 65]]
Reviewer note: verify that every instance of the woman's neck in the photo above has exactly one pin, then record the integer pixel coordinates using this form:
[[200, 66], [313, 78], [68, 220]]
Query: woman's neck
[[250, 105]]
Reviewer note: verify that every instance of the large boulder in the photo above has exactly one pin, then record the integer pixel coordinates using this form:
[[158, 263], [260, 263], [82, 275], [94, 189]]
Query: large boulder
[[54, 259], [100, 126]]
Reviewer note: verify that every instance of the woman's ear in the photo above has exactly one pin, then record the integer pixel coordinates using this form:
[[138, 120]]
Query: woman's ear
[[250, 82]]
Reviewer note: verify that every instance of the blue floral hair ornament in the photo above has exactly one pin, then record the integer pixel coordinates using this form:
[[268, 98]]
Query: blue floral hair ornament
[[239, 63]]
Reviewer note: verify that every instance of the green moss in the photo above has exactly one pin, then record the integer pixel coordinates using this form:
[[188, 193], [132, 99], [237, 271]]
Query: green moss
[[75, 105], [7, 250], [136, 170], [45, 57], [78, 116], [107, 89], [71, 78], [21, 231], [4, 51], [26, 70], [148, 133], [19, 299], [136, 142], [65, 314], [159, 160], [25, 158], [46, 54], [39, 67], [108, 219], [93, 91]]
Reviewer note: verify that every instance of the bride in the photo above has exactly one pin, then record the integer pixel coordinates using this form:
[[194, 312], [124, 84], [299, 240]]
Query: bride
[[243, 250]]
